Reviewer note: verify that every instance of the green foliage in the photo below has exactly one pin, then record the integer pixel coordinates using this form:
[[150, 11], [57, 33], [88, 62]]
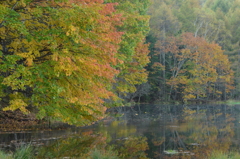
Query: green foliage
[[103, 154], [223, 5], [220, 155], [25, 152], [133, 51], [4, 155]]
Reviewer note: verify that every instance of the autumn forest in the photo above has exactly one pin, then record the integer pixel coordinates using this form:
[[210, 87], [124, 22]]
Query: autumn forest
[[71, 60]]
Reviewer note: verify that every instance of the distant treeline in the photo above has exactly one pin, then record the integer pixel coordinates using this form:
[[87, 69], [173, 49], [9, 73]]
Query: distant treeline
[[195, 51]]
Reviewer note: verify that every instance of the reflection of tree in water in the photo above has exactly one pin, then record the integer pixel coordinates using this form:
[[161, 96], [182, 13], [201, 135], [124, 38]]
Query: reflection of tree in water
[[78, 146], [133, 147], [125, 139], [196, 135], [116, 137], [207, 130]]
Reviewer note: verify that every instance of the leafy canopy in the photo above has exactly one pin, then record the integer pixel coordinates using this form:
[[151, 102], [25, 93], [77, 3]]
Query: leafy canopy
[[58, 57]]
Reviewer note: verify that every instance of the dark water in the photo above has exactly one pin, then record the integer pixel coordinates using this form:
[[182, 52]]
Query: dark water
[[145, 131]]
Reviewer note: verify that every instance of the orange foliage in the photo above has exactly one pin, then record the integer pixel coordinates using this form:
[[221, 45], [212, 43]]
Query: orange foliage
[[196, 65]]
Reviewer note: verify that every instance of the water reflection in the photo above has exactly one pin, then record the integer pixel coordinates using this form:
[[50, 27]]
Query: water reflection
[[196, 133], [147, 131], [81, 145], [76, 146], [204, 131]]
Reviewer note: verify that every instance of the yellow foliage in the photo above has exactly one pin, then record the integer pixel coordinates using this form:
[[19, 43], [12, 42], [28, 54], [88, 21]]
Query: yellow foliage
[[198, 67], [17, 104], [189, 96]]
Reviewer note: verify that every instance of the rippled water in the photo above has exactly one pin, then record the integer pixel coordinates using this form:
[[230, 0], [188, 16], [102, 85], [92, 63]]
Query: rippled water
[[145, 131]]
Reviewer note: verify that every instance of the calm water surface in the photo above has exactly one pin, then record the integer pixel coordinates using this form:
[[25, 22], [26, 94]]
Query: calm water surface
[[145, 131]]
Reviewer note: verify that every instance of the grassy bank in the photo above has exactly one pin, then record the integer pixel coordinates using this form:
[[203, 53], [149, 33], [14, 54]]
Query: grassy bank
[[221, 155], [25, 152]]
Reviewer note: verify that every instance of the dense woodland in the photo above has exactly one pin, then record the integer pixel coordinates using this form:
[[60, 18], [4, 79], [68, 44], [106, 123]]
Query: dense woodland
[[72, 59], [194, 49]]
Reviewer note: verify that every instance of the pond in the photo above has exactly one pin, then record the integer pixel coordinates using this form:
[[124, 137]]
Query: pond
[[143, 131]]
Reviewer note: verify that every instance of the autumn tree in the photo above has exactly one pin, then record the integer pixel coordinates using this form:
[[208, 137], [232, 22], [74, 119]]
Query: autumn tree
[[59, 58], [197, 69], [133, 50]]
